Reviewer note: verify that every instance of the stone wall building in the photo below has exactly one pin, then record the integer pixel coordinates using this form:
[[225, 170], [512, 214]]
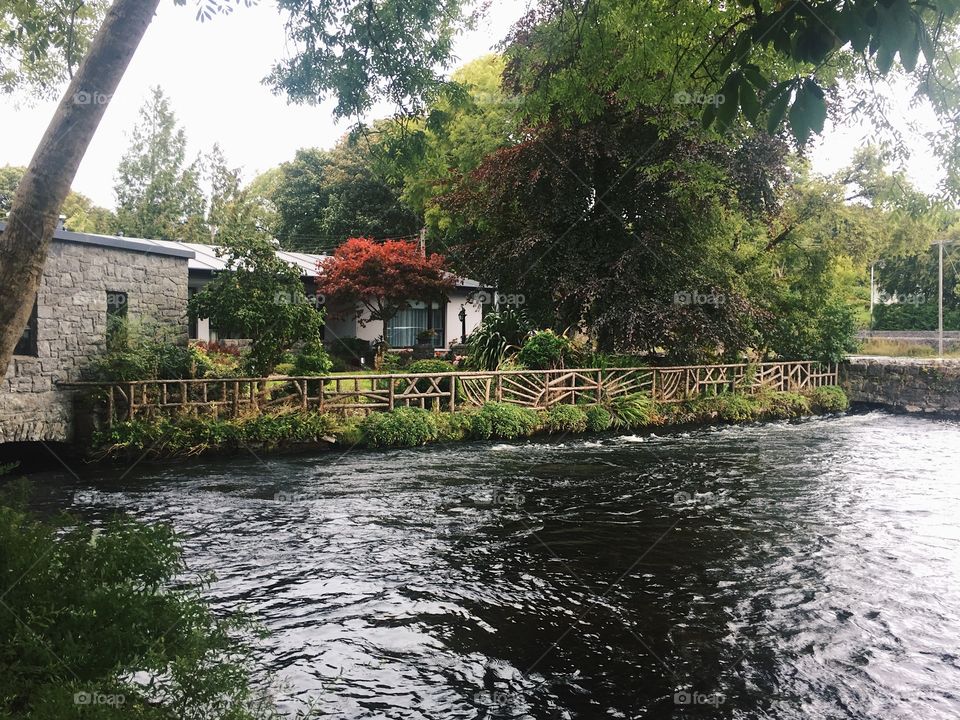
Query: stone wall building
[[86, 278]]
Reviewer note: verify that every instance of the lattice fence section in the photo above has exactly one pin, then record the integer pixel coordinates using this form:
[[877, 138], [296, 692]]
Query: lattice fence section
[[365, 393]]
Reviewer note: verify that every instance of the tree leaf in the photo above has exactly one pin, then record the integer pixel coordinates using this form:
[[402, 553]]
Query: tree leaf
[[730, 95], [778, 109], [709, 115], [749, 102], [910, 51]]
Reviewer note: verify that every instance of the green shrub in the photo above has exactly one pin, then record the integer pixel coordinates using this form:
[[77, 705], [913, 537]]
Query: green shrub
[[830, 398], [504, 421], [313, 360], [784, 404], [545, 350], [565, 418], [286, 369], [431, 367], [631, 411], [453, 427], [598, 418], [95, 611], [497, 338], [402, 427], [171, 437], [732, 407]]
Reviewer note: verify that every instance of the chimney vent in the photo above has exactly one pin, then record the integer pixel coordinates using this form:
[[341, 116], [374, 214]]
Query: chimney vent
[[60, 221]]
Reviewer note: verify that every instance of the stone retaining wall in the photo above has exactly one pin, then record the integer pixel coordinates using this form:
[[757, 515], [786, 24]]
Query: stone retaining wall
[[71, 329], [906, 384]]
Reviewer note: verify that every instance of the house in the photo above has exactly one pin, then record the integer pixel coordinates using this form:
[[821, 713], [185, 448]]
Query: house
[[87, 279], [451, 320]]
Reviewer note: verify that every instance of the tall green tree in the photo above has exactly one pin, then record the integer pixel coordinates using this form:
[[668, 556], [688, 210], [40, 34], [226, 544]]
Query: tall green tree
[[158, 191], [81, 214], [326, 196]]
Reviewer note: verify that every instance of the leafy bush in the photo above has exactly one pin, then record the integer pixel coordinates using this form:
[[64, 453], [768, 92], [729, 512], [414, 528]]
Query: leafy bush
[[504, 421], [497, 338], [143, 351], [171, 437], [631, 411], [784, 404], [313, 360], [545, 350], [565, 418], [96, 612], [598, 418], [453, 427], [431, 367], [285, 369], [830, 398], [732, 407], [401, 427]]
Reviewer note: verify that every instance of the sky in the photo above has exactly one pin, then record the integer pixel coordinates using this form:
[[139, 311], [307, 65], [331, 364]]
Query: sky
[[212, 74]]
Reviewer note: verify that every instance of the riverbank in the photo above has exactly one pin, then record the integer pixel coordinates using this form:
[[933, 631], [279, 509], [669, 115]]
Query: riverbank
[[185, 436]]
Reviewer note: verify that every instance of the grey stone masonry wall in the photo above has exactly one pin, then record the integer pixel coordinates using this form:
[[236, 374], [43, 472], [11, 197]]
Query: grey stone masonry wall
[[71, 329], [907, 384]]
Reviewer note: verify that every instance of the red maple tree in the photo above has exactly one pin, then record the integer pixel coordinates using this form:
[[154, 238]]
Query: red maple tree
[[382, 277]]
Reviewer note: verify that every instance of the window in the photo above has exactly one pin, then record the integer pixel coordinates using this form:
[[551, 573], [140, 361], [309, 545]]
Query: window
[[116, 319], [27, 344], [403, 329]]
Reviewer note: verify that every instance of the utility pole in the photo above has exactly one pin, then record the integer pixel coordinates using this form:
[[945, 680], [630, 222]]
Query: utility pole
[[940, 322]]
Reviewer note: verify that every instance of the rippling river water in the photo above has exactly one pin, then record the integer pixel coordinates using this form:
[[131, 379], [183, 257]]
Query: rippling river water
[[805, 570]]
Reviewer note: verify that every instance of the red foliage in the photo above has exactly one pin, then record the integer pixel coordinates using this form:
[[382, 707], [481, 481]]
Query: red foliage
[[383, 276]]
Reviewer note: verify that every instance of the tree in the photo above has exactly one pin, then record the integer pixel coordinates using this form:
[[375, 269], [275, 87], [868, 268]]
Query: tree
[[44, 41], [260, 296], [639, 238], [381, 278], [363, 51], [158, 193], [40, 195], [80, 212], [453, 136], [325, 197]]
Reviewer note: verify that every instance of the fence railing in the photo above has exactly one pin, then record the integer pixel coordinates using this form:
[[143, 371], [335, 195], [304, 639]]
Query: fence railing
[[362, 393]]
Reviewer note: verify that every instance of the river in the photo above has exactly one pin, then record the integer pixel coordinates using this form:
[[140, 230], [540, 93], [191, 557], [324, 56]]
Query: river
[[788, 570]]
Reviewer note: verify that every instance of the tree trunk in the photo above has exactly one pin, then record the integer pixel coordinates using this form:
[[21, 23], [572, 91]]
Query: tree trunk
[[45, 185]]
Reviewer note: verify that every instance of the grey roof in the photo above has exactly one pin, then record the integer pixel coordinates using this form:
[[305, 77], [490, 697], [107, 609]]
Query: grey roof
[[117, 243], [205, 257], [199, 257]]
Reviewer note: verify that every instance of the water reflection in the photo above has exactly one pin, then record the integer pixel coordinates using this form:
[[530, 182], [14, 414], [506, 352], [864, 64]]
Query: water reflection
[[784, 571]]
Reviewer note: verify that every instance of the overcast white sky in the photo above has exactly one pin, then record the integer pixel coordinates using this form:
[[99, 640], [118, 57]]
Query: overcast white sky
[[212, 72]]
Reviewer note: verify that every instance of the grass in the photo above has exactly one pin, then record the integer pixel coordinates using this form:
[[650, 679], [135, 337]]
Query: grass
[[902, 348]]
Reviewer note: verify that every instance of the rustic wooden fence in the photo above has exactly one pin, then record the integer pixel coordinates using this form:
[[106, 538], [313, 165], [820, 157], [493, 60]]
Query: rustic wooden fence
[[368, 392]]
